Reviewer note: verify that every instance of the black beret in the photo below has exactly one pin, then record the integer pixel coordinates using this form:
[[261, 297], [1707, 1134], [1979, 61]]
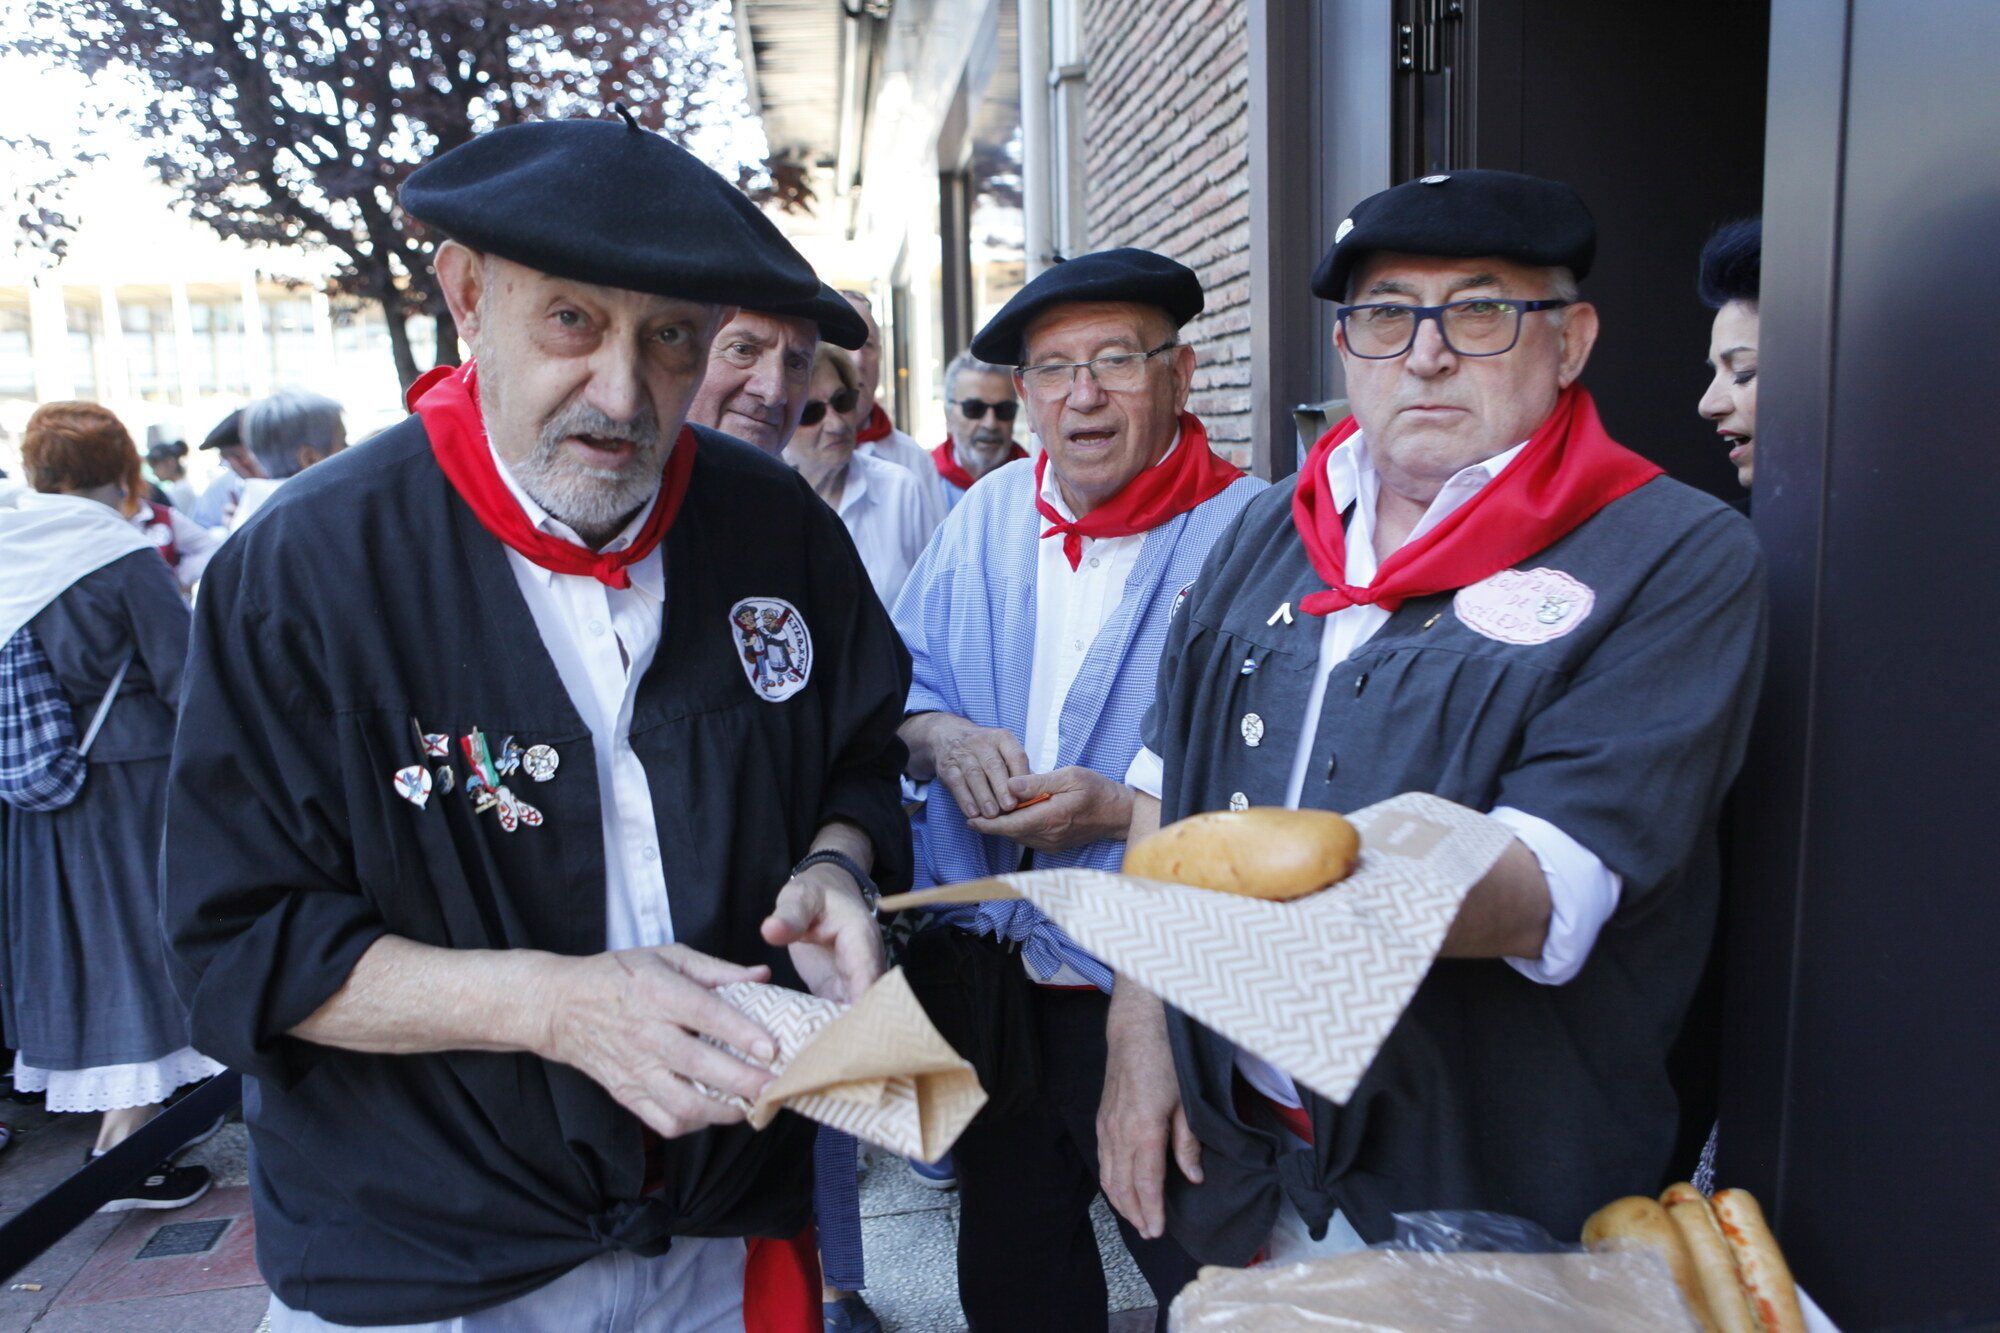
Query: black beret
[[227, 434], [1464, 215], [606, 202], [1108, 275], [839, 322]]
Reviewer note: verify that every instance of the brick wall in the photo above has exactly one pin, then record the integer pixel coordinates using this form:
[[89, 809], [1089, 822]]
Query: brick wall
[[1166, 161]]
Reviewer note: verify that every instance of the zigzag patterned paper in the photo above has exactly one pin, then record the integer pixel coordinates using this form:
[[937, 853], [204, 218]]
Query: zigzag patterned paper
[[877, 1069], [1314, 985]]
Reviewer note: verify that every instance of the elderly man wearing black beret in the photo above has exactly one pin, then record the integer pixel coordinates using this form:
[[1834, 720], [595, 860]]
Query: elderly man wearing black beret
[[1035, 619], [507, 739], [1472, 591]]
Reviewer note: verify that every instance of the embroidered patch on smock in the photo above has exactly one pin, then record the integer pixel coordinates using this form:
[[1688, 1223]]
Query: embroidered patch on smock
[[773, 645], [1524, 606]]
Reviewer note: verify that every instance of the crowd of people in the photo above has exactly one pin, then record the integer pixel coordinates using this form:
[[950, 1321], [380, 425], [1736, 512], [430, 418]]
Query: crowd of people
[[435, 784]]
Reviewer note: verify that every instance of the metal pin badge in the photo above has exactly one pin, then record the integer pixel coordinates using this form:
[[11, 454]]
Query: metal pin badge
[[1283, 613], [510, 757], [541, 762], [413, 784], [1249, 667], [1238, 801], [1253, 730], [445, 779], [436, 746]]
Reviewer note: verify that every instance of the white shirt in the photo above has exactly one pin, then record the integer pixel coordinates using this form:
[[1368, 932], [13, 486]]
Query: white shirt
[[906, 453], [1582, 889], [883, 508], [602, 639]]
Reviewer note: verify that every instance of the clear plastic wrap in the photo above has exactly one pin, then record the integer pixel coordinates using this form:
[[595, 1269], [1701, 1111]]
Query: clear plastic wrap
[[1444, 1271]]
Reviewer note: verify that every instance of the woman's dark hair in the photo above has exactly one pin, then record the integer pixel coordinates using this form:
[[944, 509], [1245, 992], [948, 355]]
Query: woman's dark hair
[[1732, 263]]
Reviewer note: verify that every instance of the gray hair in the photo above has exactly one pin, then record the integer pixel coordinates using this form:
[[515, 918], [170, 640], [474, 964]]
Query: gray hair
[[277, 427], [965, 361]]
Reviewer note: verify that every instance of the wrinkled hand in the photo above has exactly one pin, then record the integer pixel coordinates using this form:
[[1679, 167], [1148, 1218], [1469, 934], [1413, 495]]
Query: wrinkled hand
[[1083, 806], [974, 763], [835, 944], [634, 1022], [1140, 1114]]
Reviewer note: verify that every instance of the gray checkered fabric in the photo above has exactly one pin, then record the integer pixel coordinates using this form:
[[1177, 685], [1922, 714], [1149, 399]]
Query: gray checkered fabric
[[40, 768]]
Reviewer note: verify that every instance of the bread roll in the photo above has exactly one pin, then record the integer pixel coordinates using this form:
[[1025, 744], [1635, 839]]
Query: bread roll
[[1641, 1223], [1725, 1308], [1767, 1280], [1261, 853]]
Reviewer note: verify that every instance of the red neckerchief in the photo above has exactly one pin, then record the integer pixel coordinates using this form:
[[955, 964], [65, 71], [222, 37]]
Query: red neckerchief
[[876, 428], [447, 398], [1568, 470], [1166, 490], [950, 469], [159, 527]]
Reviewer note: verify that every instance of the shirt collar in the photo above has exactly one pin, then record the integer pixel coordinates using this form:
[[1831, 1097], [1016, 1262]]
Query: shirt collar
[[647, 575], [1351, 474], [1052, 489]]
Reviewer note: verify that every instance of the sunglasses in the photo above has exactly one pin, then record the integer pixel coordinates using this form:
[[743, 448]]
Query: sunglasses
[[976, 408], [842, 402]]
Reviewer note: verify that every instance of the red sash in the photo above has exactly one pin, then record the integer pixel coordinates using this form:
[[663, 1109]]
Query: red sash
[[1166, 490], [447, 398], [950, 469], [1569, 469], [877, 427]]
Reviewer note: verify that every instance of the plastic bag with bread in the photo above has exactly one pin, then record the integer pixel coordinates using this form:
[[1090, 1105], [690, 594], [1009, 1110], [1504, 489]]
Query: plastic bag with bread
[[1265, 852]]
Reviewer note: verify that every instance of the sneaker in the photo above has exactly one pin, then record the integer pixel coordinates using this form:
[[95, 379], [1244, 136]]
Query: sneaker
[[849, 1314], [937, 1175], [168, 1187]]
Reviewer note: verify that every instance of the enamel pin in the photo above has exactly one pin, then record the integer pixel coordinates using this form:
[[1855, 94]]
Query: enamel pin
[[413, 784], [1253, 730], [510, 757], [540, 762], [436, 746], [445, 780], [1239, 802]]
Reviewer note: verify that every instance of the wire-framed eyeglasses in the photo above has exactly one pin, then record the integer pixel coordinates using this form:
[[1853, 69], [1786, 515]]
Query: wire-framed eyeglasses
[[1481, 326], [1118, 371]]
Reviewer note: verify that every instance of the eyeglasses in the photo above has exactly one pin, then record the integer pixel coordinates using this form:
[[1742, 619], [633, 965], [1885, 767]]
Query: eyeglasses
[[975, 409], [1119, 371], [1483, 326], [842, 402]]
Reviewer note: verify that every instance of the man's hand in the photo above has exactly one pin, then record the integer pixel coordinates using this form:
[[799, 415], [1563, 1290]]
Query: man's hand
[[1140, 1113], [1083, 806], [835, 944], [972, 761], [634, 1022]]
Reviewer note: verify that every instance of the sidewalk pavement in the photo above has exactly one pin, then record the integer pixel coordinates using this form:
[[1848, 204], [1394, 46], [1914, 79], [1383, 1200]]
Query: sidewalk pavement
[[193, 1270]]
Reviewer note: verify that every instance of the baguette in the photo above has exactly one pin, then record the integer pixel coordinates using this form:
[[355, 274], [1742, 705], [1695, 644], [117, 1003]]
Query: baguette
[[1767, 1280], [1725, 1308], [1262, 853], [1641, 1223]]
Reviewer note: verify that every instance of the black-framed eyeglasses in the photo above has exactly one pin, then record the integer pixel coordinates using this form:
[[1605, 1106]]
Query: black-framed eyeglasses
[[1480, 326], [975, 409], [816, 408], [1118, 371]]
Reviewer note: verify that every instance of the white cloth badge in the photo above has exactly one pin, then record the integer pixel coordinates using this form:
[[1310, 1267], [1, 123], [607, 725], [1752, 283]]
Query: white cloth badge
[[1524, 606], [773, 645], [413, 784]]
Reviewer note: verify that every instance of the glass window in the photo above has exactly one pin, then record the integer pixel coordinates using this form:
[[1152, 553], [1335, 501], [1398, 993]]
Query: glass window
[[86, 329], [17, 353], [288, 338], [152, 360], [218, 347]]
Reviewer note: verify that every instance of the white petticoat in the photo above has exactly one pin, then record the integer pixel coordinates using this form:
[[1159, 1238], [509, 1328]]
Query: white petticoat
[[115, 1087]]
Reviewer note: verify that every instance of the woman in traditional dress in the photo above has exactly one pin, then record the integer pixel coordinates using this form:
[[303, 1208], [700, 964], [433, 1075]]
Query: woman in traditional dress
[[83, 974]]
